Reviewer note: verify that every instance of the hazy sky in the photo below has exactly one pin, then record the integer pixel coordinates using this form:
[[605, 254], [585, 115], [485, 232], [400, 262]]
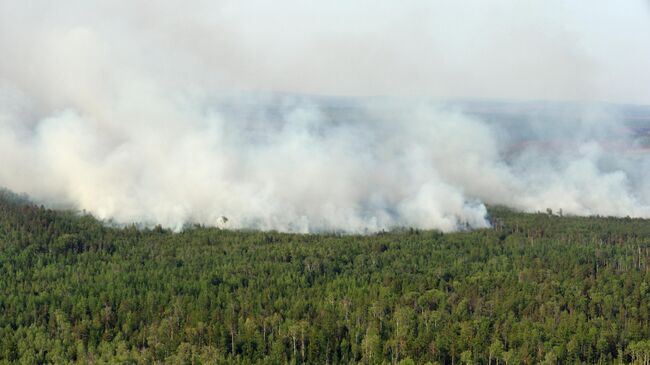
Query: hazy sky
[[112, 107], [579, 50]]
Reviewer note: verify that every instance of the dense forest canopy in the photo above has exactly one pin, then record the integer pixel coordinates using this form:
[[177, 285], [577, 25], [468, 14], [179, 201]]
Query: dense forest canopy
[[535, 288]]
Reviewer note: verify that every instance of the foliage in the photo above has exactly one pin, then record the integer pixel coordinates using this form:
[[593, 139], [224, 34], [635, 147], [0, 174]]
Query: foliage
[[537, 288]]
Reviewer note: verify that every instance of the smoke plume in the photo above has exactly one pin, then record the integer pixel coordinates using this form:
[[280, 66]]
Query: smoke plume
[[157, 114]]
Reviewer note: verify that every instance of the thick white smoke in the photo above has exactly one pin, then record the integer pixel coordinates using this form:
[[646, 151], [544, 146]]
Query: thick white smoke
[[136, 113]]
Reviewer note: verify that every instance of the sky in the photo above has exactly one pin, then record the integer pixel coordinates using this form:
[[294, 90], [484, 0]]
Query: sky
[[504, 49], [177, 112]]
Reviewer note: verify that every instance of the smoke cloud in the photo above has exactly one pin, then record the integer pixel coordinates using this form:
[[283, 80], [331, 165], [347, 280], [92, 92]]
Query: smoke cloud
[[164, 115]]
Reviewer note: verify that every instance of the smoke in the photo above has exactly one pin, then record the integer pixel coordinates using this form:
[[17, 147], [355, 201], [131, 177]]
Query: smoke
[[157, 115]]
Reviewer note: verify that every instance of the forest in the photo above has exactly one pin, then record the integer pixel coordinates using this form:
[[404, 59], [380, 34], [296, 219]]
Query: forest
[[534, 289]]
